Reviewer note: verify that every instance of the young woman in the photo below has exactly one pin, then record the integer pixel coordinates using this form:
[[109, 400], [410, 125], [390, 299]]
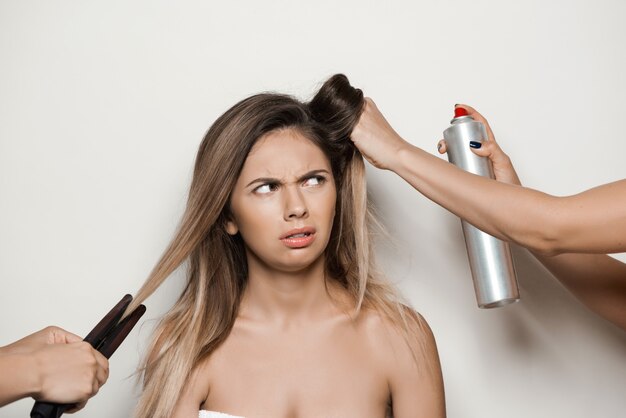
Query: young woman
[[284, 314], [569, 235]]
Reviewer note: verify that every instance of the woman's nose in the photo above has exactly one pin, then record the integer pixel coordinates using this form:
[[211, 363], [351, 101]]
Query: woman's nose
[[295, 205]]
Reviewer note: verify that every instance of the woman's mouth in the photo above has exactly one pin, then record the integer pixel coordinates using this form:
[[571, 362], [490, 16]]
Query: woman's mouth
[[299, 238]]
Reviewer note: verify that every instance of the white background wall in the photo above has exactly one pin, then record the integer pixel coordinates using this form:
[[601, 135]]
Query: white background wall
[[103, 105]]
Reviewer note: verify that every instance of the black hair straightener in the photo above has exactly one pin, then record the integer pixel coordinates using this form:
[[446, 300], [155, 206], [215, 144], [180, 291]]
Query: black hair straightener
[[105, 337]]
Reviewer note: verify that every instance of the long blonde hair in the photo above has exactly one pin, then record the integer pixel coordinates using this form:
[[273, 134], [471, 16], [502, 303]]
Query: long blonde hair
[[205, 312]]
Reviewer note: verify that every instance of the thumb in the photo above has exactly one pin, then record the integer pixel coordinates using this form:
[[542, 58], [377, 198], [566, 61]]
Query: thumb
[[489, 149], [484, 148], [442, 147], [502, 167]]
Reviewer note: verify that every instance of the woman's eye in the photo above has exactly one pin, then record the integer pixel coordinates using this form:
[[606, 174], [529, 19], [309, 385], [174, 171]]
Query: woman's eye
[[314, 181], [266, 188]]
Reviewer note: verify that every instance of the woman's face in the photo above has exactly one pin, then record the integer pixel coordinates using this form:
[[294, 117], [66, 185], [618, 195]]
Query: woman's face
[[283, 203]]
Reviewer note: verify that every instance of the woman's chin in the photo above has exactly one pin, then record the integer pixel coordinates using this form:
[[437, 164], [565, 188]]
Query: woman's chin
[[286, 261], [295, 266], [295, 263]]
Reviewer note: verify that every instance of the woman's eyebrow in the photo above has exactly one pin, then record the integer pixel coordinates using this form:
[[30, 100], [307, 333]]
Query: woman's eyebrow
[[312, 173], [263, 180], [300, 178]]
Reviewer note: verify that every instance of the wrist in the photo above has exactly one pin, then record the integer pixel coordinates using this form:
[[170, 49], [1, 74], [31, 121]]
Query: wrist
[[10, 349], [403, 159], [23, 372], [32, 373]]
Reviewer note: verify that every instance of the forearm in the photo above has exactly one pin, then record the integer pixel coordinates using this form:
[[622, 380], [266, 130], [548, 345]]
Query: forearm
[[17, 377], [593, 221], [506, 211], [597, 280]]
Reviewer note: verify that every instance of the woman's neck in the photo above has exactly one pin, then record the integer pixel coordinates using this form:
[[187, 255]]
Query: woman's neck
[[286, 298]]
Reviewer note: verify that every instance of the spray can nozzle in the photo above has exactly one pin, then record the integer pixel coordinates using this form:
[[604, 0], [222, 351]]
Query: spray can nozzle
[[459, 111]]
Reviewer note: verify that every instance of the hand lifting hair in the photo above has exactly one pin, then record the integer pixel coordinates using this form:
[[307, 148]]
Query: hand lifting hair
[[284, 313], [569, 235]]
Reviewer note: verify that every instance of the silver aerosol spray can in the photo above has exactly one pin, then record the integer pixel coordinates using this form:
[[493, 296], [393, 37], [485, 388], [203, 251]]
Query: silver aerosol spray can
[[489, 258]]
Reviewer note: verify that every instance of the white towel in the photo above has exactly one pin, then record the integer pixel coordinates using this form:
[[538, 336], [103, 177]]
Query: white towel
[[213, 414]]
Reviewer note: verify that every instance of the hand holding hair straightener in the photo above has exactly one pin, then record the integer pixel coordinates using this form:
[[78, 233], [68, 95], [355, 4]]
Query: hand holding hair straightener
[[106, 337], [58, 366]]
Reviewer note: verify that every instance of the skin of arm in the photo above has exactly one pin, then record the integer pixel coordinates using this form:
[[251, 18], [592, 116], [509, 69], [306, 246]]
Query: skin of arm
[[417, 390], [51, 365], [193, 395], [597, 280], [558, 231], [593, 221]]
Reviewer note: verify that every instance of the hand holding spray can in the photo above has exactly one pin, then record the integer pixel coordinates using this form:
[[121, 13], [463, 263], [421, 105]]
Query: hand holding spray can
[[490, 259]]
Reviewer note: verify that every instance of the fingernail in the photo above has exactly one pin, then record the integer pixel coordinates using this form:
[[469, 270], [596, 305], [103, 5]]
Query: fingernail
[[439, 146], [456, 104], [475, 144]]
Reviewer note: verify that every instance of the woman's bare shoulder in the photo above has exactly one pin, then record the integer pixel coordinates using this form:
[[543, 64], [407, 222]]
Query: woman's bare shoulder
[[401, 337], [194, 393], [407, 352]]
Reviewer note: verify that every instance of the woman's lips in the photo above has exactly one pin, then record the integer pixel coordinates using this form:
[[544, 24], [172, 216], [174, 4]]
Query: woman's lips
[[299, 238]]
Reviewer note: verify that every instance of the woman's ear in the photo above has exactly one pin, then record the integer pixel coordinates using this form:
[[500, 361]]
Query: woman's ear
[[229, 221], [231, 227]]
